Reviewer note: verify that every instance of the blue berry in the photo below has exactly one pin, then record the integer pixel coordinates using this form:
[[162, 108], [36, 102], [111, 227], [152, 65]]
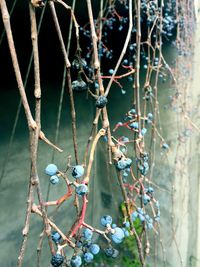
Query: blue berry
[[88, 257], [128, 162], [121, 164], [143, 131], [115, 253], [107, 219], [125, 139], [79, 244], [149, 225], [114, 225], [150, 189], [94, 249], [55, 236], [127, 224], [125, 62], [101, 101], [96, 85], [126, 233], [77, 171], [79, 85], [76, 261], [134, 215], [125, 174], [109, 251], [141, 217], [134, 125], [81, 189], [51, 169], [165, 146], [54, 179], [150, 116], [118, 235], [111, 71], [146, 199], [87, 233], [57, 260]]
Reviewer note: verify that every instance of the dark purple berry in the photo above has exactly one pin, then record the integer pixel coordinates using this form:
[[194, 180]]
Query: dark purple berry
[[57, 260], [101, 101]]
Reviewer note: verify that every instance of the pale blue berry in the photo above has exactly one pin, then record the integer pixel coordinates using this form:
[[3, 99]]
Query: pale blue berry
[[134, 215], [88, 257], [81, 189], [111, 71], [76, 261], [114, 225], [55, 236], [121, 164], [54, 179], [126, 233], [94, 249], [143, 131], [87, 233], [106, 219], [77, 171], [134, 125], [118, 235], [51, 169]]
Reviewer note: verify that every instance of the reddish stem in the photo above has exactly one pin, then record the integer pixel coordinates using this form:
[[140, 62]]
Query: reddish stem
[[82, 217]]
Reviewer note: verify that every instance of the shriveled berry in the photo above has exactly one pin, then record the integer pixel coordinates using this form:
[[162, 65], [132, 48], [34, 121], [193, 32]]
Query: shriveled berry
[[115, 253], [77, 171], [109, 251], [101, 101], [57, 260], [79, 85], [51, 169], [79, 63]]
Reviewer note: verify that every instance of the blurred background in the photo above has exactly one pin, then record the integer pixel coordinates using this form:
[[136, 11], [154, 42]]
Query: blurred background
[[176, 172]]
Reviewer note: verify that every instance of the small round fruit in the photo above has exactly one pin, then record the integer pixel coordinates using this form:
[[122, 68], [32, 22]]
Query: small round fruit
[[54, 179], [51, 169], [87, 233], [88, 257], [109, 251], [106, 220], [121, 164], [77, 171], [94, 249], [57, 260], [101, 101], [118, 235], [81, 189], [76, 261], [55, 236], [115, 253]]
